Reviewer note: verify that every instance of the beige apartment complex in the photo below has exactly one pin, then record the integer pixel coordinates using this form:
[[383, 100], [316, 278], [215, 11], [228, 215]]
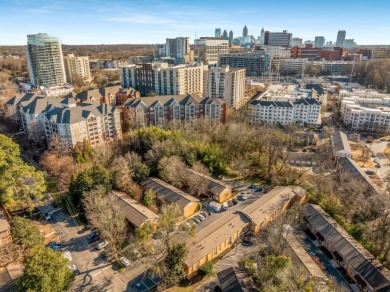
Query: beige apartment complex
[[77, 67], [224, 82]]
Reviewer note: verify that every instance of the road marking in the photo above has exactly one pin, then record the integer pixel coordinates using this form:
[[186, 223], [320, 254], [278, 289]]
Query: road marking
[[101, 271], [59, 232]]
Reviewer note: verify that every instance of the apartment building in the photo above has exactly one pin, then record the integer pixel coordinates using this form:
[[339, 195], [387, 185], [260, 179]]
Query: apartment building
[[178, 80], [220, 236], [253, 62], [44, 60], [74, 123], [337, 67], [77, 67], [296, 66], [178, 48], [229, 84], [209, 48], [163, 79], [158, 110], [283, 111], [366, 114], [86, 115]]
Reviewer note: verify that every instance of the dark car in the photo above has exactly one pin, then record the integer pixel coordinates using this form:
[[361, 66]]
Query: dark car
[[235, 201], [54, 245], [93, 237], [230, 203]]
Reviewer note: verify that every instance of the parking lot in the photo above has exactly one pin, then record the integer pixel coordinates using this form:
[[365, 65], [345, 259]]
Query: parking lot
[[251, 195]]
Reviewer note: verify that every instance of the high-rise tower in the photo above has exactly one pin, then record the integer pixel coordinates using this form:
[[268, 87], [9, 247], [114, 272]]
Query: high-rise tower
[[245, 31], [230, 38], [44, 60], [340, 38], [225, 34], [217, 32]]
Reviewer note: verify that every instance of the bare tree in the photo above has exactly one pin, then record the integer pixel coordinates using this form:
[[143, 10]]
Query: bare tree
[[106, 217], [196, 183], [10, 253], [171, 170]]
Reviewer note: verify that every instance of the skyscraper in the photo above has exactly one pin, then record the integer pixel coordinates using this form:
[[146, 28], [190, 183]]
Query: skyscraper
[[340, 38], [319, 42], [245, 31], [225, 35], [217, 32], [44, 60], [279, 39], [262, 36], [178, 48], [230, 38]]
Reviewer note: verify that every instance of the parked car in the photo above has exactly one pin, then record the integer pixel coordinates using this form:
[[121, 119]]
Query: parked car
[[225, 206], [376, 160], [74, 270], [235, 201], [93, 237], [54, 245], [378, 166], [200, 217], [47, 215], [102, 244], [369, 172], [204, 214], [259, 190], [196, 220], [215, 206], [243, 197], [230, 203], [124, 261]]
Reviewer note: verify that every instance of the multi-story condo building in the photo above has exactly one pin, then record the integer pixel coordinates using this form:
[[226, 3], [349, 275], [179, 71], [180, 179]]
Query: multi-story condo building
[[294, 65], [280, 39], [285, 107], [141, 59], [178, 48], [208, 49], [337, 67], [77, 67], [276, 54], [162, 79], [229, 84], [36, 113], [366, 113], [254, 62], [159, 110], [74, 123], [44, 60]]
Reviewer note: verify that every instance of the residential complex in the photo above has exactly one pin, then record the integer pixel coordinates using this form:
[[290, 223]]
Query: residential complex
[[44, 60], [367, 272], [253, 62], [163, 79], [72, 119], [178, 48], [226, 83], [284, 105], [158, 110], [77, 68], [366, 114], [218, 237], [208, 49]]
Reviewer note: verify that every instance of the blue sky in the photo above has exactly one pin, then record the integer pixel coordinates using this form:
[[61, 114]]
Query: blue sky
[[151, 21]]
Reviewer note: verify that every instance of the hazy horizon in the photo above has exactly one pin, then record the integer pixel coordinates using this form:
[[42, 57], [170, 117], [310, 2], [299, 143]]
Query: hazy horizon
[[97, 22]]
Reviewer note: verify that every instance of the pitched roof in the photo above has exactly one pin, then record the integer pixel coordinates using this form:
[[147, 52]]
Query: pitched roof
[[214, 186], [353, 252], [236, 280], [168, 193], [272, 201], [272, 103], [317, 87], [167, 100], [134, 212], [213, 235], [38, 104], [21, 97], [307, 101]]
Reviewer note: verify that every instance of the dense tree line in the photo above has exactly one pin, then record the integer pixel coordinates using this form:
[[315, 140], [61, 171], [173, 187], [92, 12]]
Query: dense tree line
[[374, 74]]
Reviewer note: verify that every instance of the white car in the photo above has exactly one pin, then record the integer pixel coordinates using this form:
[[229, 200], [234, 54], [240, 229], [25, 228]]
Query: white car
[[74, 269], [102, 244], [225, 206], [124, 261]]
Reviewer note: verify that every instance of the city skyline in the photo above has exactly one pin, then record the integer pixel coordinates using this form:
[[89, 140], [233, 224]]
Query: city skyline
[[152, 21]]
